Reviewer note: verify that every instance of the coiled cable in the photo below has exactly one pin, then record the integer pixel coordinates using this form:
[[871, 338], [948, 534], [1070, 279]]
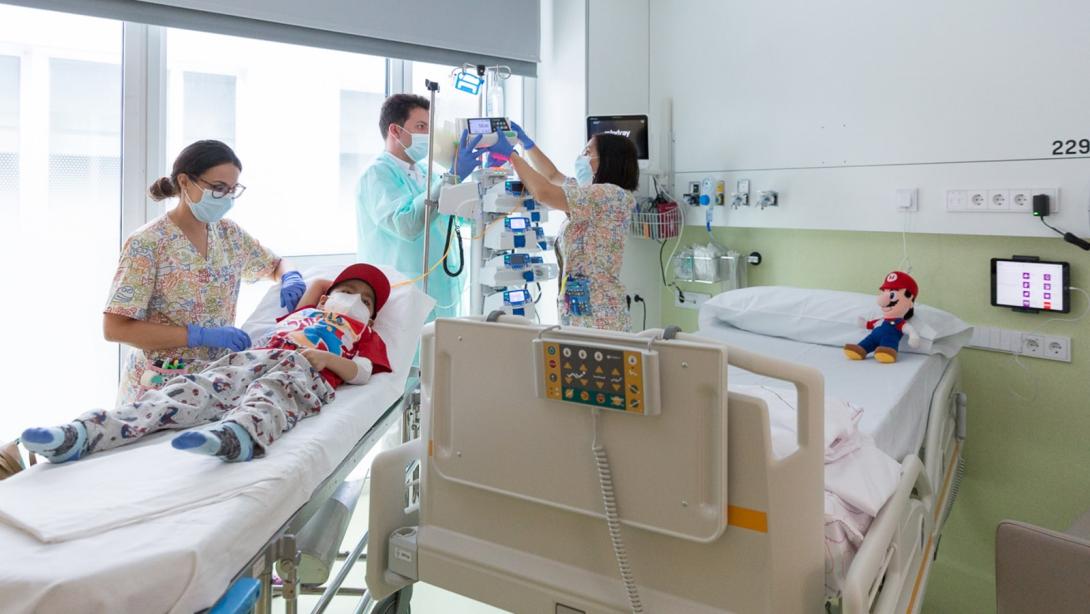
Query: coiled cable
[[613, 519]]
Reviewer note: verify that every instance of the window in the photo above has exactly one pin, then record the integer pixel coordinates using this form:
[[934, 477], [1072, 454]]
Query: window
[[9, 134], [302, 120], [361, 141], [205, 97], [60, 153]]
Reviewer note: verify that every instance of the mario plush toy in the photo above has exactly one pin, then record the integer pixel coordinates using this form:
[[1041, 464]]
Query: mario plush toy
[[896, 297]]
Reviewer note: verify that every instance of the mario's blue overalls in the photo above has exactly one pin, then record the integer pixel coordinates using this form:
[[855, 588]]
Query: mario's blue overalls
[[887, 334]]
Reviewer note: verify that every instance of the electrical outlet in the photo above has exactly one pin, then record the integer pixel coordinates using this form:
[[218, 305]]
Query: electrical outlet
[[693, 300], [1022, 200], [999, 200], [1057, 348], [976, 200], [1033, 345]]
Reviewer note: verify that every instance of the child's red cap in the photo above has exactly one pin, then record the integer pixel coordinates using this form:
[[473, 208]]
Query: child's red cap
[[372, 276]]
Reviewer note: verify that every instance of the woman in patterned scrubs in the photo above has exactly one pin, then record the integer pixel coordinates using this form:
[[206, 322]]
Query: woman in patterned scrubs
[[173, 296], [599, 204]]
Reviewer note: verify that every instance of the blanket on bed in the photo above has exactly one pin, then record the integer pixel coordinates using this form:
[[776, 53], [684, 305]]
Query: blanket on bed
[[859, 478]]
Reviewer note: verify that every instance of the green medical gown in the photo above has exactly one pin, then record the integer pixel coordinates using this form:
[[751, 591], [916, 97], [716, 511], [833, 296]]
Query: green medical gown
[[390, 230]]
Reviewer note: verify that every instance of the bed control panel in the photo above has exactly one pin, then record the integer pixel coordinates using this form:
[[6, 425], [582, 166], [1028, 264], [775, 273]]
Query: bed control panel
[[599, 375]]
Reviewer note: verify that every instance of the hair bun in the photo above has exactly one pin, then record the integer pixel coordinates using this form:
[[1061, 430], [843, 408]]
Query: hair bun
[[162, 188]]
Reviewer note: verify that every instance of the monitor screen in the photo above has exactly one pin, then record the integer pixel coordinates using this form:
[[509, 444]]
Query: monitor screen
[[632, 126], [1031, 285]]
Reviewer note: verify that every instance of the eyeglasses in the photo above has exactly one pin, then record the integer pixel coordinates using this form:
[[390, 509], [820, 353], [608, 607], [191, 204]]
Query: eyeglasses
[[219, 190]]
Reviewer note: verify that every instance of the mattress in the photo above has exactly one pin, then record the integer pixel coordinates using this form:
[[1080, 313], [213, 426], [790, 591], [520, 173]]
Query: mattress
[[108, 533], [183, 561], [895, 398]]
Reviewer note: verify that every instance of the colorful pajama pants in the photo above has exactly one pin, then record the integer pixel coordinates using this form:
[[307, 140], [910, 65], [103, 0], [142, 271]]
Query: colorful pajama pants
[[265, 391]]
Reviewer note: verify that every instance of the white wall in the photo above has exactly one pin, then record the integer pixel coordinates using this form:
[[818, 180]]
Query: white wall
[[562, 81], [618, 83], [836, 105], [560, 104]]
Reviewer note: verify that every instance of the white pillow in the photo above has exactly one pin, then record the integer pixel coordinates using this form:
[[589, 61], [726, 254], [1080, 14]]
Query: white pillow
[[828, 317], [398, 322]]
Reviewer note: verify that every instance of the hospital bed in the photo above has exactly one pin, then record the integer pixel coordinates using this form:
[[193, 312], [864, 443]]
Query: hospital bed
[[145, 528], [914, 409], [713, 517]]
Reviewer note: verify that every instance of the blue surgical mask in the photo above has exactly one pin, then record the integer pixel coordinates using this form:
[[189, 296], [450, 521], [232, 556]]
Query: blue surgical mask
[[418, 151], [584, 174], [210, 209]]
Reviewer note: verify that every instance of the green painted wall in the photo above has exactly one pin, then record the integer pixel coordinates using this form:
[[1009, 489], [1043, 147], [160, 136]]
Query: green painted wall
[[1024, 460]]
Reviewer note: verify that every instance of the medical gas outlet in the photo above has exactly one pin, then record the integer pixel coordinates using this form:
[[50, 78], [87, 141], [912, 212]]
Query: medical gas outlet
[[740, 197], [768, 198]]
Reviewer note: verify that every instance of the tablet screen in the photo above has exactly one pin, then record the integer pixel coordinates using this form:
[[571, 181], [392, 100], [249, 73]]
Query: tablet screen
[[1030, 285]]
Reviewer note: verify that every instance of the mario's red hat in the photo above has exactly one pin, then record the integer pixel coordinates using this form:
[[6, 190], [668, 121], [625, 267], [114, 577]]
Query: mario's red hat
[[370, 275], [899, 280]]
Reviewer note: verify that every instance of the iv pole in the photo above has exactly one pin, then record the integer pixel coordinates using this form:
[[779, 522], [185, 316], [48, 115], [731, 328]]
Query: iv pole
[[430, 203]]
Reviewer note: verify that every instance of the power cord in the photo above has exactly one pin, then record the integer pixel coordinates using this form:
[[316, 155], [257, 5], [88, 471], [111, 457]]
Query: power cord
[[1069, 237], [662, 268], [904, 247], [613, 519], [1018, 355], [643, 303]]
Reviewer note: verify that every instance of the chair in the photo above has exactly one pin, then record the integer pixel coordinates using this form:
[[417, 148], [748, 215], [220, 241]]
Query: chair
[[1040, 570]]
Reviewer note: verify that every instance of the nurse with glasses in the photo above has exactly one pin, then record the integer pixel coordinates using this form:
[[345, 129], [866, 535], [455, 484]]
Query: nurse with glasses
[[174, 294]]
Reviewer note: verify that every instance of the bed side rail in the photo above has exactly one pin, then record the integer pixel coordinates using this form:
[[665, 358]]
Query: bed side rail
[[809, 382], [945, 426], [388, 514], [877, 564]]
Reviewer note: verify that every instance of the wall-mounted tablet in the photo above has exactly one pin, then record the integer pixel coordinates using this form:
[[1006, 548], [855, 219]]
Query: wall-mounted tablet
[[1028, 284]]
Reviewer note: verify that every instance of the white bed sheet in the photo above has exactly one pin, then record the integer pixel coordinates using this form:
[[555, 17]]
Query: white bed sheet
[[181, 560], [895, 398]]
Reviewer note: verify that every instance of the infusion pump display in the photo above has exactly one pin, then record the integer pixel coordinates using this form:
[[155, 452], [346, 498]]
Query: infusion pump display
[[487, 125], [1029, 285]]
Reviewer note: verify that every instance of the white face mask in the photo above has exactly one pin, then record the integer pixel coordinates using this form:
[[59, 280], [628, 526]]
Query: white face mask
[[348, 304]]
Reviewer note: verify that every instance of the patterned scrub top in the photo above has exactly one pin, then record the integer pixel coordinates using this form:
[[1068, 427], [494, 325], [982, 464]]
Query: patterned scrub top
[[592, 245], [162, 278]]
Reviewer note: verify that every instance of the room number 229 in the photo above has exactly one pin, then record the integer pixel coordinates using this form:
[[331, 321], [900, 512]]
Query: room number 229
[[1070, 147]]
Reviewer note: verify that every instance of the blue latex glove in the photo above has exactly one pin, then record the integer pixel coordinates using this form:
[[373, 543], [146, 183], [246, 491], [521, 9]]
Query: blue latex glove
[[527, 142], [292, 288], [229, 337], [503, 147], [468, 156], [500, 152]]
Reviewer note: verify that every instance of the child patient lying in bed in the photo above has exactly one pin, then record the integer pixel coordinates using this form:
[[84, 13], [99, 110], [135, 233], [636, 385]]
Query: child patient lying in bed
[[249, 399]]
